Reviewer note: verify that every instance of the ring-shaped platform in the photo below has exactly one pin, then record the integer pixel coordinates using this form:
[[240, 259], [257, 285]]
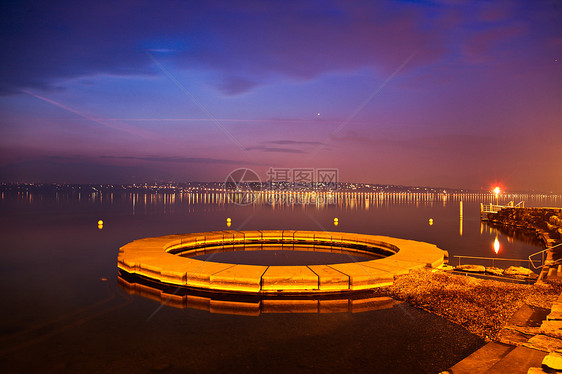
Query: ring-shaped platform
[[157, 259]]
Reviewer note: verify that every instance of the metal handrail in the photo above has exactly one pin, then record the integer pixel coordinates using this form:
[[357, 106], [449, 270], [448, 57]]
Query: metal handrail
[[494, 208], [493, 259], [541, 252]]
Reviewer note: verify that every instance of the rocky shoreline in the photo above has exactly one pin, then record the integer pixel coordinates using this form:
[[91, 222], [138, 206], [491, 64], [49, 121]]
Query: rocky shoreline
[[481, 306], [545, 223]]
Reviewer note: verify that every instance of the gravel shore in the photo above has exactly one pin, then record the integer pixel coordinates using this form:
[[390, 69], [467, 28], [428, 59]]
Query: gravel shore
[[483, 307]]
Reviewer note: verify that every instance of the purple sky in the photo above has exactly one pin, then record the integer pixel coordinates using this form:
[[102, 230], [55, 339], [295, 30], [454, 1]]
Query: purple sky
[[436, 93]]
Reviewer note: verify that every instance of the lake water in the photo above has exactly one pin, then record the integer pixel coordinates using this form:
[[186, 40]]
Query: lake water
[[64, 310]]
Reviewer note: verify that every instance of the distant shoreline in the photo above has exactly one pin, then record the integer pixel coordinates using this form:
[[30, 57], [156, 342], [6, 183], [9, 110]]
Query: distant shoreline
[[340, 187]]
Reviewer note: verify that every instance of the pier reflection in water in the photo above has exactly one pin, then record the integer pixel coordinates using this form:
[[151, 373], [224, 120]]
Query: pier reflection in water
[[252, 305]]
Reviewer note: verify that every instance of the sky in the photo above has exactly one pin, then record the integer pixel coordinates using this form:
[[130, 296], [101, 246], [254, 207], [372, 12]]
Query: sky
[[460, 94]]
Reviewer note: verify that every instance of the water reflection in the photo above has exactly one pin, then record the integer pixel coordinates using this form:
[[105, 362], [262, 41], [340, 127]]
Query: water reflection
[[251, 305], [513, 233], [496, 245], [276, 198]]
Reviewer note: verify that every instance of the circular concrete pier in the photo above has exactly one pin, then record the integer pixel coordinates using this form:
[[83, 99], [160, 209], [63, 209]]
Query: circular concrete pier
[[158, 259]]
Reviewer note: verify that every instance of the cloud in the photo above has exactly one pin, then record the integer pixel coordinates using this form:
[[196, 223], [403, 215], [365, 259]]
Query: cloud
[[245, 43], [265, 148], [233, 85], [175, 159], [294, 142], [274, 149]]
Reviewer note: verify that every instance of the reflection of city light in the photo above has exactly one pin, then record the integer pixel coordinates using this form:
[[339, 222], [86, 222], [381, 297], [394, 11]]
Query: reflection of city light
[[496, 245]]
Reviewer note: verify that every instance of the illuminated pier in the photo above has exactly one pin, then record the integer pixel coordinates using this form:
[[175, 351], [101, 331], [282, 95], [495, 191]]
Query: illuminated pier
[[159, 259]]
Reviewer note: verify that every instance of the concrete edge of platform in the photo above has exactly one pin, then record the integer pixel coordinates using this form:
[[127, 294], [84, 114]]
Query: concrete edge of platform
[[156, 259]]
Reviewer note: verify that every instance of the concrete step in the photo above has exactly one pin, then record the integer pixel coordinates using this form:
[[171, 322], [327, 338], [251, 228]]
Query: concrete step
[[483, 359], [518, 361]]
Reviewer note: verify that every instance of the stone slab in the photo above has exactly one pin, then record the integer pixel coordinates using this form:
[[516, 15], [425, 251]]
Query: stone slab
[[552, 329], [329, 278], [282, 278], [544, 343], [245, 278], [363, 277]]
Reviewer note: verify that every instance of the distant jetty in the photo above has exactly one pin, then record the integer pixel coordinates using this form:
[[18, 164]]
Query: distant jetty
[[546, 223]]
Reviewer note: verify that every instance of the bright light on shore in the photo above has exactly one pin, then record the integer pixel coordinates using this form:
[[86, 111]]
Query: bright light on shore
[[497, 190], [496, 245]]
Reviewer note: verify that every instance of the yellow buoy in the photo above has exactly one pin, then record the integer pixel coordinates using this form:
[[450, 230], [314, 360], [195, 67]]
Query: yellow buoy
[[430, 221], [336, 221], [228, 220], [100, 222]]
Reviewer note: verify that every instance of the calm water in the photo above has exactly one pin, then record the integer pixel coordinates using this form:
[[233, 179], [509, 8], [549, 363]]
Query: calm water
[[63, 305]]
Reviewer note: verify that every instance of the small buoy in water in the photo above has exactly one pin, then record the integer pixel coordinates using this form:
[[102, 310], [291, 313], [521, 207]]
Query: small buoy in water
[[431, 222], [100, 223], [228, 222], [336, 221], [103, 279]]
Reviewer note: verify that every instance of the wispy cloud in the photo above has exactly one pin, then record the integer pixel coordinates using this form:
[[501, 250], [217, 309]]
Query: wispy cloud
[[176, 159], [293, 142], [275, 149]]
